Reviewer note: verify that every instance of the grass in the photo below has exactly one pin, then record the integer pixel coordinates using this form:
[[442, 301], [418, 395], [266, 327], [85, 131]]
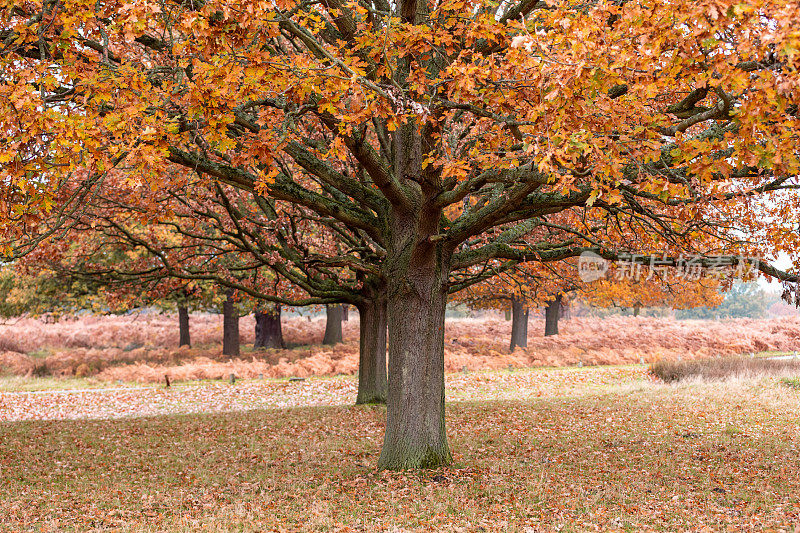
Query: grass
[[35, 383], [9, 345], [640, 456], [41, 353], [11, 383], [723, 367], [774, 353], [29, 384], [793, 383]]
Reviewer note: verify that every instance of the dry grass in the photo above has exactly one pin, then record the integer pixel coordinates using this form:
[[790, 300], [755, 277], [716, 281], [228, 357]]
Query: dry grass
[[8, 344], [724, 367], [143, 348], [135, 330], [636, 457]]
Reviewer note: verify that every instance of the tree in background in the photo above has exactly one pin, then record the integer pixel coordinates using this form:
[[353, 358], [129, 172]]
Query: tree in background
[[44, 283], [43, 293], [269, 333], [741, 300], [653, 289], [334, 315], [529, 285], [273, 254]]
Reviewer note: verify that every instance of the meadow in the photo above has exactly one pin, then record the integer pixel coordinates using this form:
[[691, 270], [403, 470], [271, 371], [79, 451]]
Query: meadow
[[143, 347], [570, 449], [542, 439]]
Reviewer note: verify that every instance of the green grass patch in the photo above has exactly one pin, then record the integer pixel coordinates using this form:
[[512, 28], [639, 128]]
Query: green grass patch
[[41, 353], [793, 383]]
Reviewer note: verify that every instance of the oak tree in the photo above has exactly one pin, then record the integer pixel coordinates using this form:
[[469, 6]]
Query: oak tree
[[439, 132]]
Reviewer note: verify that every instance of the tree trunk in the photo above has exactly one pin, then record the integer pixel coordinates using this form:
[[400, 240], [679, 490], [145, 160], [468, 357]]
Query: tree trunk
[[345, 312], [372, 384], [508, 314], [333, 325], [183, 325], [230, 325], [268, 328], [415, 431], [519, 324], [636, 310], [551, 313]]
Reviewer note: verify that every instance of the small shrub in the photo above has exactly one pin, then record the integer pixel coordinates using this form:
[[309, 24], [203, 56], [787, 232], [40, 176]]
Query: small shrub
[[10, 345], [132, 346], [83, 370], [723, 367], [40, 369]]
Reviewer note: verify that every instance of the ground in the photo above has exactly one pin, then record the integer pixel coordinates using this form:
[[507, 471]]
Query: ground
[[575, 449]]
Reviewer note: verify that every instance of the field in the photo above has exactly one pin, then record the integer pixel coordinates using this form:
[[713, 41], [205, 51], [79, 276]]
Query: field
[[143, 348], [542, 441], [573, 449]]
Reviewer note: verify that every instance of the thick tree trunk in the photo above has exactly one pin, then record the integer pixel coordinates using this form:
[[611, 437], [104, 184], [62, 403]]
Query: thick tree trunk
[[415, 431], [551, 313], [333, 325], [230, 326], [183, 325], [372, 384], [268, 329], [519, 324], [636, 310]]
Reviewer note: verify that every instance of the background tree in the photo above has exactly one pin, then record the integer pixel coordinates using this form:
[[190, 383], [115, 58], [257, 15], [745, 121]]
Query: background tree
[[43, 293], [529, 285], [212, 234], [334, 315], [654, 290], [741, 300]]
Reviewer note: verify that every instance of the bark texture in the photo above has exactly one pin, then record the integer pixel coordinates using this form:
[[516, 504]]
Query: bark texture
[[183, 325], [551, 314], [519, 324], [372, 383], [230, 326], [418, 270], [269, 333], [333, 325]]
